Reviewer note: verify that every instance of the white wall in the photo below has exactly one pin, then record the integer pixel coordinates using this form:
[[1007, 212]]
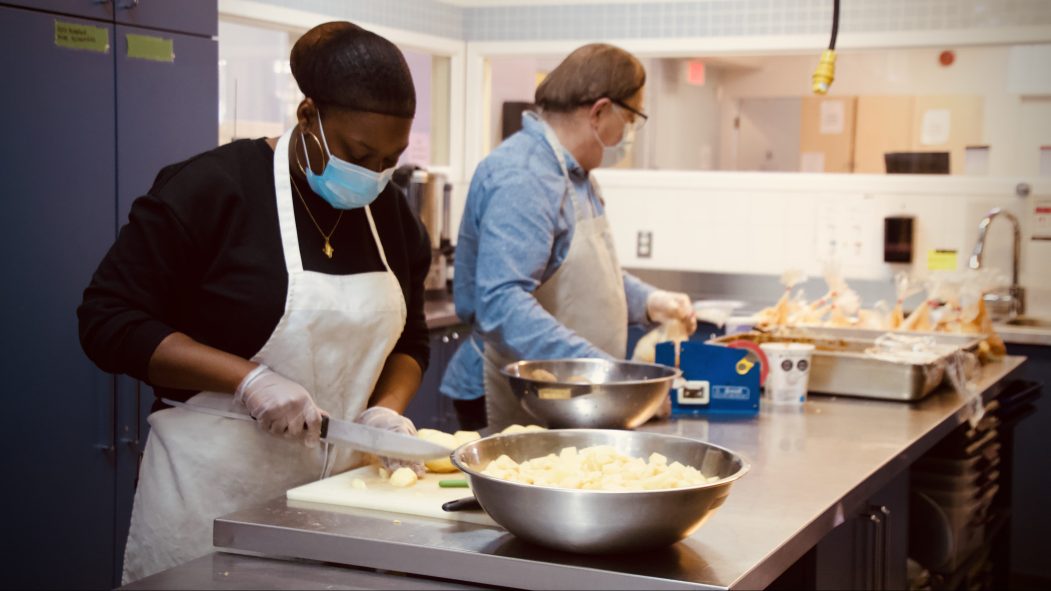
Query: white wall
[[765, 223]]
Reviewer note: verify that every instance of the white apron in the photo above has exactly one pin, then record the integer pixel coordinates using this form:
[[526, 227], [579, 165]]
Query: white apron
[[586, 294], [333, 339]]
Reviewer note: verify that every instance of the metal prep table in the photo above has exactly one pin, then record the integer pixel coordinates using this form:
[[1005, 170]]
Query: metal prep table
[[809, 469], [234, 571]]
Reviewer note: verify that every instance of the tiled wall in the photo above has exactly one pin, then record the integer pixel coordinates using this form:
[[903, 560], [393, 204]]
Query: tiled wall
[[421, 16], [743, 17], [702, 18]]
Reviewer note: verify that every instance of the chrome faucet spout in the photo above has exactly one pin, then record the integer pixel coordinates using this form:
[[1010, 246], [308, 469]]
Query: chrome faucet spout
[[975, 261], [1014, 298]]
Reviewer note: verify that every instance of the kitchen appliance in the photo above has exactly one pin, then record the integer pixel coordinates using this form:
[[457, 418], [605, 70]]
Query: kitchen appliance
[[599, 521], [430, 197], [841, 364], [916, 162], [593, 393]]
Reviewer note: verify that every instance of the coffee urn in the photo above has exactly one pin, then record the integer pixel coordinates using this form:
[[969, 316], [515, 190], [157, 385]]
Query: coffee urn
[[429, 198]]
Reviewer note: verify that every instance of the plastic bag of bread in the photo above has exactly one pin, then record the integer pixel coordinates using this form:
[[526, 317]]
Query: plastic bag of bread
[[646, 349]]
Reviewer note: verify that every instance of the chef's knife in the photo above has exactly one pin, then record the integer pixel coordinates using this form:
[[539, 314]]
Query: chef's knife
[[370, 439], [380, 441]]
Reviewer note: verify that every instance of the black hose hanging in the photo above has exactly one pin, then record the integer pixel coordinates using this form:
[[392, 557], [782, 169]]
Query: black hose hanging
[[835, 24]]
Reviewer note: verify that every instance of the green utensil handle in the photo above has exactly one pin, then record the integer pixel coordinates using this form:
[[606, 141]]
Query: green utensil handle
[[453, 483]]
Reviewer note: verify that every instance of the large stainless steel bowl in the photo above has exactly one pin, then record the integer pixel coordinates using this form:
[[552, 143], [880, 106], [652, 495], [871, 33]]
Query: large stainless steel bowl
[[619, 395], [593, 521]]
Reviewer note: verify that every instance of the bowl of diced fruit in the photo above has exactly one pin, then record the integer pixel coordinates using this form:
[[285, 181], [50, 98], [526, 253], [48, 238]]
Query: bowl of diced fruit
[[598, 491]]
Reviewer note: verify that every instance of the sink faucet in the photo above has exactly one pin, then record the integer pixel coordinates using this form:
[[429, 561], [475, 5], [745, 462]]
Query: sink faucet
[[1012, 302]]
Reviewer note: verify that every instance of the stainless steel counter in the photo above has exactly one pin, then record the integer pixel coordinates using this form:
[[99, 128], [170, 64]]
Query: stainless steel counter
[[810, 469], [1024, 335], [233, 571]]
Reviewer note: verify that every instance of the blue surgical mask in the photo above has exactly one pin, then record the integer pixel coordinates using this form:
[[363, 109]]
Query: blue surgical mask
[[343, 184], [612, 155]]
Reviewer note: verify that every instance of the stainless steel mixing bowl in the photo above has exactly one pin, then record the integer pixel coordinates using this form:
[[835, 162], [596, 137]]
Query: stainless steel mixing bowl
[[619, 395], [593, 521]]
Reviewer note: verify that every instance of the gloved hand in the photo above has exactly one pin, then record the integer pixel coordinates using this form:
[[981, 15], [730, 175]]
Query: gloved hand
[[662, 306], [280, 406], [382, 417]]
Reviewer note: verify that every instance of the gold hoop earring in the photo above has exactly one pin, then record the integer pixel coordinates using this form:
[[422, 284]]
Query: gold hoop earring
[[317, 141]]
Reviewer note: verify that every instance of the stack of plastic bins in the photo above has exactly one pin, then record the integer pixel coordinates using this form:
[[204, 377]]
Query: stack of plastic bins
[[951, 502]]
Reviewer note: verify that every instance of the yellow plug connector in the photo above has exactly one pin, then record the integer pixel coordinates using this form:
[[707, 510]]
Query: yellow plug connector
[[825, 72]]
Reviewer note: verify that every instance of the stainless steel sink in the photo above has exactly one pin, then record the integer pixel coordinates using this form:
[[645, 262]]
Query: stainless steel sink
[[1028, 321]]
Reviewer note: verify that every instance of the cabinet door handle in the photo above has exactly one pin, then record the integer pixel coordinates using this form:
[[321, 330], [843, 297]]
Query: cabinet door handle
[[456, 336], [445, 339], [879, 517], [127, 4]]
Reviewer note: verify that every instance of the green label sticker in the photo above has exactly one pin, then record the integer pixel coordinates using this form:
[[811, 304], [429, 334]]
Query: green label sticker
[[941, 260], [84, 37], [148, 47]]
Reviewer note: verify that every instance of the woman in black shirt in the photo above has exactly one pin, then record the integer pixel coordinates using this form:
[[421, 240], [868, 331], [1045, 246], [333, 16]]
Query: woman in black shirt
[[274, 279]]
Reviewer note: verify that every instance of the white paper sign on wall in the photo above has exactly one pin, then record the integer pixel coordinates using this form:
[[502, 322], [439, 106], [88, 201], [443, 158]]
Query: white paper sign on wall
[[832, 117], [935, 127]]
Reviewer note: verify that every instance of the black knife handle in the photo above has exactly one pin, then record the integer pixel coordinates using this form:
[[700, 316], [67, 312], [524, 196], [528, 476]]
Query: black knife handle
[[464, 504], [324, 426]]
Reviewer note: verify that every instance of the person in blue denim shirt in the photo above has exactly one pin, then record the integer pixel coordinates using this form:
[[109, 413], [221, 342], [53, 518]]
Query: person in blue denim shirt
[[536, 271]]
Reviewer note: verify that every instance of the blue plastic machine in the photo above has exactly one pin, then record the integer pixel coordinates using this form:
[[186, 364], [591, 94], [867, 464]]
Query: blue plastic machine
[[715, 379]]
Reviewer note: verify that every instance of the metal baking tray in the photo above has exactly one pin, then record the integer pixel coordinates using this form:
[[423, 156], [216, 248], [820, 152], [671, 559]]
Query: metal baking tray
[[841, 367]]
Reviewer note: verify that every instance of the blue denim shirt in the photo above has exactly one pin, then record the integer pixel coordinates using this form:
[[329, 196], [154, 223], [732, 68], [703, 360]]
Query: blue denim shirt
[[514, 235]]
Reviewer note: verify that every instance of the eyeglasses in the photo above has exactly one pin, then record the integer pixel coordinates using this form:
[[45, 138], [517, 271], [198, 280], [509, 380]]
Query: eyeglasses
[[640, 117]]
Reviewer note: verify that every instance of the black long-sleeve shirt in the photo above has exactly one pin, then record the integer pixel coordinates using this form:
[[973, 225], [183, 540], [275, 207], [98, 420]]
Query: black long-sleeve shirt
[[201, 254]]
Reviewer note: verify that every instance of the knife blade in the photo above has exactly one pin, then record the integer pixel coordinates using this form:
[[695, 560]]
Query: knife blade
[[380, 441]]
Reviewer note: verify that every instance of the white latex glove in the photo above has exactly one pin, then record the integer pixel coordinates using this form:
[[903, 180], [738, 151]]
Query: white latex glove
[[382, 417], [662, 306], [280, 406]]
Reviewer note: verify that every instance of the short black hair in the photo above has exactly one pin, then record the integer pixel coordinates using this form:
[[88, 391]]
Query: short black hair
[[342, 65]]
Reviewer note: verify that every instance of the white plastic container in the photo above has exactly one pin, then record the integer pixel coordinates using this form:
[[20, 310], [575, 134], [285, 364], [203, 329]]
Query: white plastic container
[[786, 384]]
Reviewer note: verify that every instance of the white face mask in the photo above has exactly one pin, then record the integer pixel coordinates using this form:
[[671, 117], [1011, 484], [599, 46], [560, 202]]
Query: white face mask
[[612, 155]]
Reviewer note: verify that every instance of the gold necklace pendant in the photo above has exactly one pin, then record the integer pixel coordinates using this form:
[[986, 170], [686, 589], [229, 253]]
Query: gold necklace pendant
[[327, 249]]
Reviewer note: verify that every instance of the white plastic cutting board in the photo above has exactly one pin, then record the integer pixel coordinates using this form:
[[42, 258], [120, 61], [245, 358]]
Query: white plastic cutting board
[[425, 498]]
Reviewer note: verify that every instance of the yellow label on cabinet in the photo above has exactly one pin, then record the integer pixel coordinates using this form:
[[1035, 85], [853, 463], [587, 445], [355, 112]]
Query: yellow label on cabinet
[[941, 260], [84, 37], [148, 47]]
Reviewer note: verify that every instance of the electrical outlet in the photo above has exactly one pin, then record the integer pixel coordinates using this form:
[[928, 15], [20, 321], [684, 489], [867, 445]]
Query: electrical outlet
[[644, 245]]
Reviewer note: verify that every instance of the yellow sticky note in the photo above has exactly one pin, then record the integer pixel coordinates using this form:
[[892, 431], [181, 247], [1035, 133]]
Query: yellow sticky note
[[84, 37], [941, 260], [150, 47]]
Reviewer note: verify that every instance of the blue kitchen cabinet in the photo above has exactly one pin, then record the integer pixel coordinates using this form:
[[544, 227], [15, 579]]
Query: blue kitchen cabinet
[[1032, 471], [93, 9], [91, 129], [166, 112], [199, 17], [59, 192], [429, 408]]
